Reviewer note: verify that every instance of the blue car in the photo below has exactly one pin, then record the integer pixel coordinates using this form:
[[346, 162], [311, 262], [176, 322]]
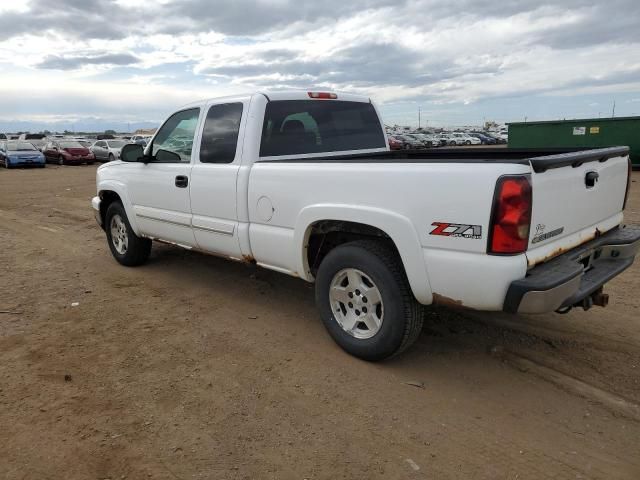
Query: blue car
[[20, 153]]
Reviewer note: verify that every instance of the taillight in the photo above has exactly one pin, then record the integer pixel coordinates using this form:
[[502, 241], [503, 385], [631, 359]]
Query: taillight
[[510, 216], [323, 95], [626, 192]]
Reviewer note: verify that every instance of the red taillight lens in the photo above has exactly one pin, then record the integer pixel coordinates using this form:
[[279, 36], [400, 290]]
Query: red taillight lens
[[626, 192], [323, 95], [511, 216]]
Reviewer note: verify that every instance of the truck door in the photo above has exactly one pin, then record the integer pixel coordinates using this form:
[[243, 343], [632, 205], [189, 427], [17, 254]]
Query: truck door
[[214, 177], [159, 190]]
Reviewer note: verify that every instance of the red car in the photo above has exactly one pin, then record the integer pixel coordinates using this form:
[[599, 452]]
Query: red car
[[395, 144], [65, 152]]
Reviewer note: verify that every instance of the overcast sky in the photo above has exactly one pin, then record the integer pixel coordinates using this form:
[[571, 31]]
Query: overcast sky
[[103, 64]]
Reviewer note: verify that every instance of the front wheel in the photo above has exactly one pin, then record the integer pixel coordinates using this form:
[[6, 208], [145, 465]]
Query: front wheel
[[126, 247], [60, 160], [7, 165], [365, 301], [111, 157]]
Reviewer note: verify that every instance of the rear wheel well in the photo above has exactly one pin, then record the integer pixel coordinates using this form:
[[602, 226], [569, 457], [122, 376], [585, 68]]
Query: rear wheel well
[[107, 197], [325, 235]]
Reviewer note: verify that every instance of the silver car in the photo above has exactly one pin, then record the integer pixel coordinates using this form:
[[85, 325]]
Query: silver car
[[107, 150]]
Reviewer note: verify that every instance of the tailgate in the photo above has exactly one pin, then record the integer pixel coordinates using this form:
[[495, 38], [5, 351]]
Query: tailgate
[[576, 197]]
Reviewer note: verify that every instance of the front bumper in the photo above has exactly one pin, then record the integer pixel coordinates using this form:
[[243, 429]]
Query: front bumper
[[95, 204], [572, 277], [26, 162]]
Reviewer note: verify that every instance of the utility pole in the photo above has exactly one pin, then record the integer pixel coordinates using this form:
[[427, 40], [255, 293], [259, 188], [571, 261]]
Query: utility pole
[[613, 110], [419, 112]]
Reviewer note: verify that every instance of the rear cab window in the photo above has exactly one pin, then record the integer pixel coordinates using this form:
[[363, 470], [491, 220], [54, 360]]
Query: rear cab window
[[298, 127]]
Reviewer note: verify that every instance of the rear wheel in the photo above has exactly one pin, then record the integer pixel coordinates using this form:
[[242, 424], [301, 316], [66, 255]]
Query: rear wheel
[[60, 160], [126, 247], [111, 157], [365, 301], [468, 142], [7, 165]]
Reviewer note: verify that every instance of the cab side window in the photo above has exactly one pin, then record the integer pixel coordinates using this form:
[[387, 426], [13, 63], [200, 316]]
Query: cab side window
[[176, 135], [220, 134]]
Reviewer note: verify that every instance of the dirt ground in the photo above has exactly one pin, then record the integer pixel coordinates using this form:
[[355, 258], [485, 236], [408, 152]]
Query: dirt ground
[[193, 367]]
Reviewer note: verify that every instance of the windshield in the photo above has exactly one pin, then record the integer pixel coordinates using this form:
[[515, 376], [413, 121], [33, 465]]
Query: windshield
[[116, 143], [310, 126], [71, 145], [20, 146]]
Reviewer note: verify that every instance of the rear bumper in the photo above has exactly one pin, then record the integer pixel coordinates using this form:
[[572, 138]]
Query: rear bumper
[[570, 278]]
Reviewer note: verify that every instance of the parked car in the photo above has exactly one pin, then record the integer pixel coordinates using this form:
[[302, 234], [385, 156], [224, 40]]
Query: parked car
[[323, 200], [38, 140], [496, 137], [410, 143], [140, 139], [462, 138], [20, 153], [107, 150], [484, 139], [65, 152], [422, 137], [105, 136], [448, 139], [395, 143]]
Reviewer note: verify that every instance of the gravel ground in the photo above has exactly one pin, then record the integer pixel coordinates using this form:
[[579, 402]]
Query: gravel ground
[[195, 367]]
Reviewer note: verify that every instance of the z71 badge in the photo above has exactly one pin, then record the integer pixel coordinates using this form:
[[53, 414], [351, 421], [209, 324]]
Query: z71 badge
[[456, 230]]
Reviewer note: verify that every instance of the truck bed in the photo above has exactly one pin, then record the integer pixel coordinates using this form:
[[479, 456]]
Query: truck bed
[[541, 159]]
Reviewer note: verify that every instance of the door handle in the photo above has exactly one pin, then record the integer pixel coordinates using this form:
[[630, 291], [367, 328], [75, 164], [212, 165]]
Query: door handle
[[182, 181]]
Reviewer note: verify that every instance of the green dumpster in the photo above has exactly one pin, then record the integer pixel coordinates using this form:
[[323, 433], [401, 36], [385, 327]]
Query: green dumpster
[[587, 133]]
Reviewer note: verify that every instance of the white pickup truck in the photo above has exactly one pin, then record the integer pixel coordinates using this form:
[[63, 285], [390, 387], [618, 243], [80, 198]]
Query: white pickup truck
[[304, 183]]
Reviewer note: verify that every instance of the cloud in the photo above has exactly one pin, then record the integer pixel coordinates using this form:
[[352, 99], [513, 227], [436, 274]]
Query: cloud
[[55, 62], [447, 55]]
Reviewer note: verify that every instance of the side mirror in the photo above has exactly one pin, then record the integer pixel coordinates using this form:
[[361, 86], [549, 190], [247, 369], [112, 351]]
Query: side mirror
[[131, 152]]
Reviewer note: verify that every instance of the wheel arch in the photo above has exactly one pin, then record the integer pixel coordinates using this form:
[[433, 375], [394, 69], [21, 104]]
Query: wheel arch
[[110, 192], [370, 222]]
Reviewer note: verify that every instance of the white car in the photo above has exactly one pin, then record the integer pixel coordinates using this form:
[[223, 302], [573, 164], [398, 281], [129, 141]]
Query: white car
[[107, 150], [464, 139], [304, 183]]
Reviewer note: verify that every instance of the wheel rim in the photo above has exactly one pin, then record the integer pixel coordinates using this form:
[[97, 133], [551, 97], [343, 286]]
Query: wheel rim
[[60, 161], [356, 303], [119, 237]]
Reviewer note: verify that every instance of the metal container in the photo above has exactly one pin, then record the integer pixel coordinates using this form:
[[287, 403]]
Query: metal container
[[585, 133]]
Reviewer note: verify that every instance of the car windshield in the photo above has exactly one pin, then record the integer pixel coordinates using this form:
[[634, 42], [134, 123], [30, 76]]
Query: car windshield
[[70, 145], [116, 143], [20, 146]]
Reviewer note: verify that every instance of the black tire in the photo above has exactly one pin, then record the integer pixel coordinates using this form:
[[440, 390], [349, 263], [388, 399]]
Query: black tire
[[60, 160], [407, 146], [467, 142], [403, 315], [111, 157], [138, 248], [7, 165]]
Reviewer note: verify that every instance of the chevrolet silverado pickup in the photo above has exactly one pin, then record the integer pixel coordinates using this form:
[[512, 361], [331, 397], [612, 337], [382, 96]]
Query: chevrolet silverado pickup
[[304, 183]]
